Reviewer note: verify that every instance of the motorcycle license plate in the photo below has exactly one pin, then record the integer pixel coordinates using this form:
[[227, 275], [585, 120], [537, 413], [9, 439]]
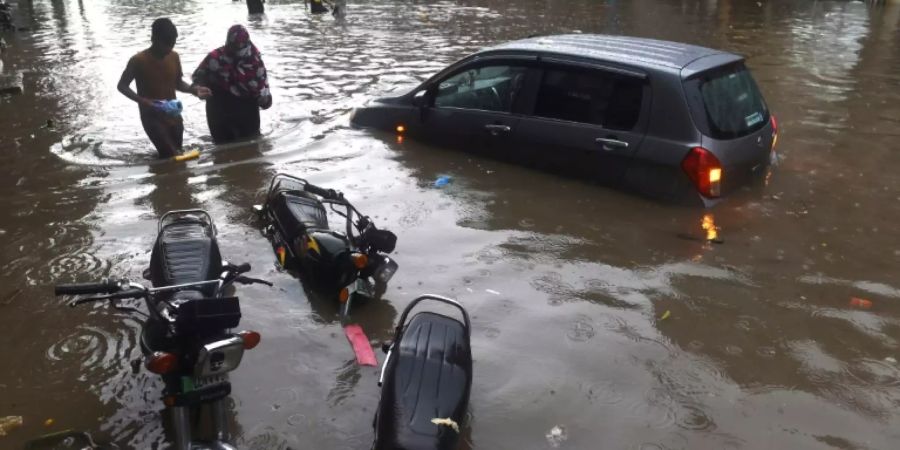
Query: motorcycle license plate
[[205, 394]]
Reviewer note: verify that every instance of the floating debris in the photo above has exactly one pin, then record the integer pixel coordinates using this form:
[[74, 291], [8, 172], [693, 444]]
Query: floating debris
[[665, 315], [9, 423], [557, 436], [186, 156], [442, 181], [11, 83], [860, 303], [360, 343], [447, 422]]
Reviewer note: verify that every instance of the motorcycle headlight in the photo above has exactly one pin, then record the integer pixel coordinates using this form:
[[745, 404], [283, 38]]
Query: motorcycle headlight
[[385, 270], [219, 357]]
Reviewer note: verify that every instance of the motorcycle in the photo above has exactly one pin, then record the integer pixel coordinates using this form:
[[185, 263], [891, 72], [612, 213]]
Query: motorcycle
[[186, 338], [425, 381], [344, 263]]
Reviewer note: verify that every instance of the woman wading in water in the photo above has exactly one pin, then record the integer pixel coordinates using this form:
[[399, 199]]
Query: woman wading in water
[[237, 77]]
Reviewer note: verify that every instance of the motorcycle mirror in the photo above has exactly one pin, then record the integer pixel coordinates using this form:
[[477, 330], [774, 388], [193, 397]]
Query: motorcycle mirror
[[383, 240]]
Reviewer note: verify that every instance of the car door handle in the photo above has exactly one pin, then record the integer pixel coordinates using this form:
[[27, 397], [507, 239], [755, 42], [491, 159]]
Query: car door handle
[[610, 144], [496, 129]]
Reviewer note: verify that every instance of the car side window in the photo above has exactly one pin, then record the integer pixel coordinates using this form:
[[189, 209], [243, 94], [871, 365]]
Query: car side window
[[487, 88], [590, 96]]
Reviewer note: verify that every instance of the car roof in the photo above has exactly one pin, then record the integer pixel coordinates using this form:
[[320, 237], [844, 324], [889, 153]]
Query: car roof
[[638, 52]]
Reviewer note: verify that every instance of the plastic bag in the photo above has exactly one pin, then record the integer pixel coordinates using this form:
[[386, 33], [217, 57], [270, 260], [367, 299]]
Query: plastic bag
[[171, 107]]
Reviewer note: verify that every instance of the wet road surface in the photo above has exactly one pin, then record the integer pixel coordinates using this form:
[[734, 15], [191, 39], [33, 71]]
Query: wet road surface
[[567, 283]]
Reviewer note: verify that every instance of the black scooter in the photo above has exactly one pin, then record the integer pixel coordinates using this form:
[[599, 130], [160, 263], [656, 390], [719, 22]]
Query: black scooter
[[425, 381], [343, 263], [186, 338]]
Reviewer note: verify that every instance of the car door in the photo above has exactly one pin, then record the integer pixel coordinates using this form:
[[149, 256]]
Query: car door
[[472, 108], [585, 120]]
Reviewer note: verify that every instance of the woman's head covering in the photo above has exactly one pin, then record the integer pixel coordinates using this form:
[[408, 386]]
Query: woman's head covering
[[236, 67], [237, 43]]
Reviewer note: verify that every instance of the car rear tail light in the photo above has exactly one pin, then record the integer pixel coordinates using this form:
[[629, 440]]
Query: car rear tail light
[[161, 362], [774, 131], [251, 339], [704, 170]]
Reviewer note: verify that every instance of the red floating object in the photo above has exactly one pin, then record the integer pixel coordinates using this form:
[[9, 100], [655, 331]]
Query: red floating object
[[357, 337], [860, 303]]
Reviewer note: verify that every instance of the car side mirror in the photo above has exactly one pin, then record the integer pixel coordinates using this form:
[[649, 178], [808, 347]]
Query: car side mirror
[[420, 100]]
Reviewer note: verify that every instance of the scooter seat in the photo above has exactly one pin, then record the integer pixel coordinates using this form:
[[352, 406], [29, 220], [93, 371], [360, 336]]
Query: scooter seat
[[185, 252], [297, 213], [429, 379]]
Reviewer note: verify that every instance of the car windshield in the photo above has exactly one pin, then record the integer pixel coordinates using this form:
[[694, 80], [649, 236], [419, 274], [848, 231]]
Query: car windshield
[[729, 103]]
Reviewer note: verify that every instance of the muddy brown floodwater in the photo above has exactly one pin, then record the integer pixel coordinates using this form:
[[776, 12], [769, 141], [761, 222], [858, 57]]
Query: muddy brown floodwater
[[567, 282]]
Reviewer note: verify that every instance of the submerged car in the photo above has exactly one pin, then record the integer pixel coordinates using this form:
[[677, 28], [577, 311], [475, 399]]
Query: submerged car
[[665, 119]]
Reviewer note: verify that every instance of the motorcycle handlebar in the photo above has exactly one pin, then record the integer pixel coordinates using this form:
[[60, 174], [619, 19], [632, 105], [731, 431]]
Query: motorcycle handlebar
[[131, 293], [330, 194], [107, 286], [243, 268]]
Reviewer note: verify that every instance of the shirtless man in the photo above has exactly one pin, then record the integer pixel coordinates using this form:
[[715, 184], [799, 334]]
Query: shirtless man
[[157, 73]]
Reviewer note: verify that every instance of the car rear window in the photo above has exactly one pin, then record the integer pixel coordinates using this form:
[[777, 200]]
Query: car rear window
[[726, 103]]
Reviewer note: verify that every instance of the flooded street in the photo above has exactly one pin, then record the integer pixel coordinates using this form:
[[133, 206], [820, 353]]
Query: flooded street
[[601, 312]]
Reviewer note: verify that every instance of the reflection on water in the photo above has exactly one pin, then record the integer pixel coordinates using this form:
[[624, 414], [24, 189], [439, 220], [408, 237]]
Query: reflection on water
[[709, 226], [564, 280]]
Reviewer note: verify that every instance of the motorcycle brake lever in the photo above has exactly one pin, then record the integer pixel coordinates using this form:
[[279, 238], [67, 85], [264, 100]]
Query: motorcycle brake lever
[[79, 301], [248, 280]]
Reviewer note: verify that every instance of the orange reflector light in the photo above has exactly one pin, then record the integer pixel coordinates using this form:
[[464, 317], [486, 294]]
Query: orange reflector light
[[251, 339], [715, 175], [774, 131], [344, 295], [360, 260], [161, 362], [281, 254], [401, 128], [169, 401]]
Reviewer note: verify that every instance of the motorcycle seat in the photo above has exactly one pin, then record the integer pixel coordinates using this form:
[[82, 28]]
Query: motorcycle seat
[[430, 378], [298, 213], [185, 252]]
